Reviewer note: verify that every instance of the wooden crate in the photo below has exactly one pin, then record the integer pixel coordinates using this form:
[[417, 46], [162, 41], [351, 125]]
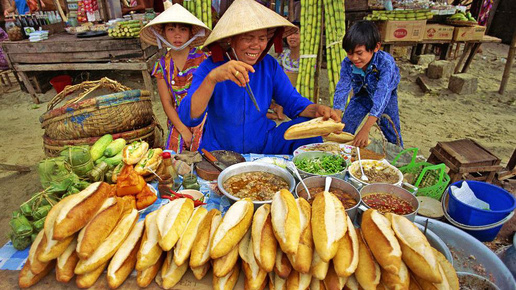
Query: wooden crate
[[356, 5]]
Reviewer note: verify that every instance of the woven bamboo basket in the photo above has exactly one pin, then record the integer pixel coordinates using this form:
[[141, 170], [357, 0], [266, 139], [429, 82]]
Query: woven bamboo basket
[[122, 111], [152, 134]]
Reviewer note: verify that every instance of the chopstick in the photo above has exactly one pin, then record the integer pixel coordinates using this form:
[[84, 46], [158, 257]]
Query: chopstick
[[247, 86]]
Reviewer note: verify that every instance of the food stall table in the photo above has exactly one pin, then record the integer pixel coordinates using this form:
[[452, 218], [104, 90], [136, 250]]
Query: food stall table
[[64, 51]]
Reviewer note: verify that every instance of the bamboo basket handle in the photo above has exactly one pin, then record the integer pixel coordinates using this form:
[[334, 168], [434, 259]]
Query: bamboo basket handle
[[88, 87], [398, 139]]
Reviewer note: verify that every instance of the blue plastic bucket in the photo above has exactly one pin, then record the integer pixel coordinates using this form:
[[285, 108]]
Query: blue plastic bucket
[[480, 223]]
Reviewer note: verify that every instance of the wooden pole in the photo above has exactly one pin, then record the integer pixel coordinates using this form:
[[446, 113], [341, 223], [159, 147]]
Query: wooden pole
[[508, 64]]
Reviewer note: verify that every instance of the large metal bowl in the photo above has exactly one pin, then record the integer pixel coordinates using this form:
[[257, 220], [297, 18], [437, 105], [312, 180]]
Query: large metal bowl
[[319, 181], [315, 154], [394, 190], [355, 167], [251, 167]]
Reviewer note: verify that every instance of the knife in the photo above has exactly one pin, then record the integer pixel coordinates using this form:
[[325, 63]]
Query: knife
[[212, 160]]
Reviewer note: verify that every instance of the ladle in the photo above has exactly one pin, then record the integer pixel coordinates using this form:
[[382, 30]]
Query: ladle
[[293, 167], [327, 184], [364, 177]]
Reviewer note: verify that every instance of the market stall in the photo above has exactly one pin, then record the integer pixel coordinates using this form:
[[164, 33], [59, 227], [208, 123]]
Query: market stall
[[65, 51]]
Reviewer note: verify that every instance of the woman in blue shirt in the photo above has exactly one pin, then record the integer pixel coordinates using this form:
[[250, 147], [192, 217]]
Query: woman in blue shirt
[[373, 76], [218, 86], [17, 5]]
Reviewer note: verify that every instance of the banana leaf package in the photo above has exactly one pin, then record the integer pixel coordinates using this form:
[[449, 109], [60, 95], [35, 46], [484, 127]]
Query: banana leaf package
[[53, 170], [21, 226], [79, 158], [19, 242]]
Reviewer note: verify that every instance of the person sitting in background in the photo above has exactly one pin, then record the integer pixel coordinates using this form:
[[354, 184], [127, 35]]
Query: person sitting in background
[[132, 5], [373, 76], [289, 58], [17, 5]]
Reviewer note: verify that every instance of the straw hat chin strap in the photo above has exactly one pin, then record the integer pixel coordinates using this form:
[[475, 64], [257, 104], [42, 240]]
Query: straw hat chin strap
[[160, 39]]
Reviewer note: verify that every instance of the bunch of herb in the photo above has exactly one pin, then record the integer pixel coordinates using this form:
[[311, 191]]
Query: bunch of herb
[[323, 165]]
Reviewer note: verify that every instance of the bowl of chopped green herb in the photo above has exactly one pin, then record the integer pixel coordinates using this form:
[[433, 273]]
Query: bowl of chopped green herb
[[314, 163]]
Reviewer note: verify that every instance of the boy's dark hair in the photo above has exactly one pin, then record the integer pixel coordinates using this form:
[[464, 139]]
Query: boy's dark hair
[[363, 32]]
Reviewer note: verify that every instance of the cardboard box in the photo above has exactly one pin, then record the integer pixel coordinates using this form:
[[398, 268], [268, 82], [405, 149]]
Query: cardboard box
[[399, 30], [438, 32], [469, 33]]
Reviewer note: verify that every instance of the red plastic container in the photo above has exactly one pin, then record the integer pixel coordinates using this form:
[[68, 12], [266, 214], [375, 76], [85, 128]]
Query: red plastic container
[[60, 82]]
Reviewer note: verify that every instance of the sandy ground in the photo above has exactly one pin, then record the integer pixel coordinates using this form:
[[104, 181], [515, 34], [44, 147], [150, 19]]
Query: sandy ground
[[484, 116]]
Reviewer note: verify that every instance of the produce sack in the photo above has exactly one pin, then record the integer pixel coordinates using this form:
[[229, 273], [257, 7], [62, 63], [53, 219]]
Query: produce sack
[[53, 170], [79, 158]]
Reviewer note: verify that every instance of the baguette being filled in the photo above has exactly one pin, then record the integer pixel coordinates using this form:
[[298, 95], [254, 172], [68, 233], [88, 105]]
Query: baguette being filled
[[313, 128]]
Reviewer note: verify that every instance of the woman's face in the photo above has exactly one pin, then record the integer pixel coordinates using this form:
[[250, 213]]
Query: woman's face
[[293, 40], [249, 46], [177, 34]]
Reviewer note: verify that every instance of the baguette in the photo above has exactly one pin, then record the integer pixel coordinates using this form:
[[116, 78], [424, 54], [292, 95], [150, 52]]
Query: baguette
[[149, 251], [346, 259], [110, 245], [286, 222], [223, 265], [313, 128], [66, 263], [51, 248], [254, 275], [145, 277], [171, 220], [303, 258], [262, 238], [132, 153], [380, 238], [36, 266], [232, 228], [343, 137], [227, 282], [79, 209], [368, 271], [318, 267], [201, 271], [282, 265], [329, 224], [124, 260], [316, 284], [416, 251], [427, 285], [333, 281], [200, 254], [170, 272], [99, 227], [276, 282], [396, 281], [26, 278], [352, 283], [149, 163], [184, 244], [449, 272], [88, 279], [298, 281]]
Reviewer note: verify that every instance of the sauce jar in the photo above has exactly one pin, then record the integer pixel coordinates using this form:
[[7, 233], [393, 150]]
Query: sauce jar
[[190, 182]]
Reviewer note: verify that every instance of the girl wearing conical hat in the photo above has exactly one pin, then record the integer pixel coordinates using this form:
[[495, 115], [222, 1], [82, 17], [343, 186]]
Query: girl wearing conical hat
[[182, 33], [239, 44]]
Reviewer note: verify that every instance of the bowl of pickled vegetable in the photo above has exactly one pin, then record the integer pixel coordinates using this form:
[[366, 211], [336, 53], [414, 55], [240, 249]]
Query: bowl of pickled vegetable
[[320, 164]]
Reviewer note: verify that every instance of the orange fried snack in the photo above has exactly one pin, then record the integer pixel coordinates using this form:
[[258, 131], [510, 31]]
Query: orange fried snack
[[145, 198], [129, 182]]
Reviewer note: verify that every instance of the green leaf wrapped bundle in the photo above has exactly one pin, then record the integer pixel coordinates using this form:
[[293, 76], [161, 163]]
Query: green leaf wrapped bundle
[[53, 170], [20, 243], [21, 226], [79, 158]]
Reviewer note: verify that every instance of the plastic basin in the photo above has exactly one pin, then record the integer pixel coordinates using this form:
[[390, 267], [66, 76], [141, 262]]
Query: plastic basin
[[60, 82]]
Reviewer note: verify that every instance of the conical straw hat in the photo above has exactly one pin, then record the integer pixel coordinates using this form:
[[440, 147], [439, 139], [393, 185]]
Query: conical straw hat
[[245, 16], [174, 14]]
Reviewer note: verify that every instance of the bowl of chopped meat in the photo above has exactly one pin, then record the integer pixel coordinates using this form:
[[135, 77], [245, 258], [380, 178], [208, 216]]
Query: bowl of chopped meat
[[257, 181], [376, 172]]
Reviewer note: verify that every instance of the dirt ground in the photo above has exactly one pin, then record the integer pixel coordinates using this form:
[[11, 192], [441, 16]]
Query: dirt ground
[[485, 116]]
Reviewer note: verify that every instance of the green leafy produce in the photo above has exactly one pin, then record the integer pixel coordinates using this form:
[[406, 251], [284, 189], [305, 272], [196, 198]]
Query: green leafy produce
[[323, 165]]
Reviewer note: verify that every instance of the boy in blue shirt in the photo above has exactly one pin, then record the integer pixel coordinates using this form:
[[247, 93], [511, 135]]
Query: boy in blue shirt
[[374, 78]]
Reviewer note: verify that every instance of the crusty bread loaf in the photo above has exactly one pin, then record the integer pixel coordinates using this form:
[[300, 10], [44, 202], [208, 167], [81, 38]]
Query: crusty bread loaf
[[380, 238], [227, 282], [172, 219], [36, 266], [170, 272], [66, 263], [329, 224], [232, 228], [427, 285], [88, 279], [318, 267], [185, 243], [79, 209], [285, 221], [254, 275], [416, 251], [400, 280], [150, 251], [200, 272], [352, 284], [343, 137], [316, 284], [449, 271], [368, 271], [332, 280], [282, 265], [262, 237], [298, 281], [145, 277], [303, 258], [200, 254], [276, 282], [26, 278], [346, 259], [312, 128], [223, 265]]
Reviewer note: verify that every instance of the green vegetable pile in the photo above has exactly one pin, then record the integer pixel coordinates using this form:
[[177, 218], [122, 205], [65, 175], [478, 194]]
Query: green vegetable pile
[[323, 165]]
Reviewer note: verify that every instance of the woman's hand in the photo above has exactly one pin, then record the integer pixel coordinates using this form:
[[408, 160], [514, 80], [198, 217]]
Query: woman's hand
[[235, 71], [327, 112], [277, 112], [186, 135]]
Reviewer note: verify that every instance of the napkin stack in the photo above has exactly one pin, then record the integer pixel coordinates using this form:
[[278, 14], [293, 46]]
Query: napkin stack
[[38, 35]]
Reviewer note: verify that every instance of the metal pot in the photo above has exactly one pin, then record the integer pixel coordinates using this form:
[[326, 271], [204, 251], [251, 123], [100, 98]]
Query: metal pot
[[355, 167], [252, 167], [314, 154], [394, 190], [319, 181]]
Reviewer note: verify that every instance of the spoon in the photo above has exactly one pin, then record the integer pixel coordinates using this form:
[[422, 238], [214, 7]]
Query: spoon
[[293, 168], [327, 184], [364, 177]]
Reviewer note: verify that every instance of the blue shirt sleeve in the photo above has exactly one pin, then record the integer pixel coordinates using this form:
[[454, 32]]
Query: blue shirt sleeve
[[387, 82], [186, 104], [343, 87]]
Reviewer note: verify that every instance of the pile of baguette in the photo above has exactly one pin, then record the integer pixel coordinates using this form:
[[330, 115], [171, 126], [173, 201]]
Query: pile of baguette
[[284, 245]]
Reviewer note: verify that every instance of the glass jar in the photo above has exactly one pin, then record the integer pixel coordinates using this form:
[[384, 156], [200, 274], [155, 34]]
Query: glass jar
[[149, 14], [190, 182], [13, 31]]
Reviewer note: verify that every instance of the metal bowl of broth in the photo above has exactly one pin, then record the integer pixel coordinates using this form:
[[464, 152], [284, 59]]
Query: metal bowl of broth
[[338, 186], [393, 193]]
